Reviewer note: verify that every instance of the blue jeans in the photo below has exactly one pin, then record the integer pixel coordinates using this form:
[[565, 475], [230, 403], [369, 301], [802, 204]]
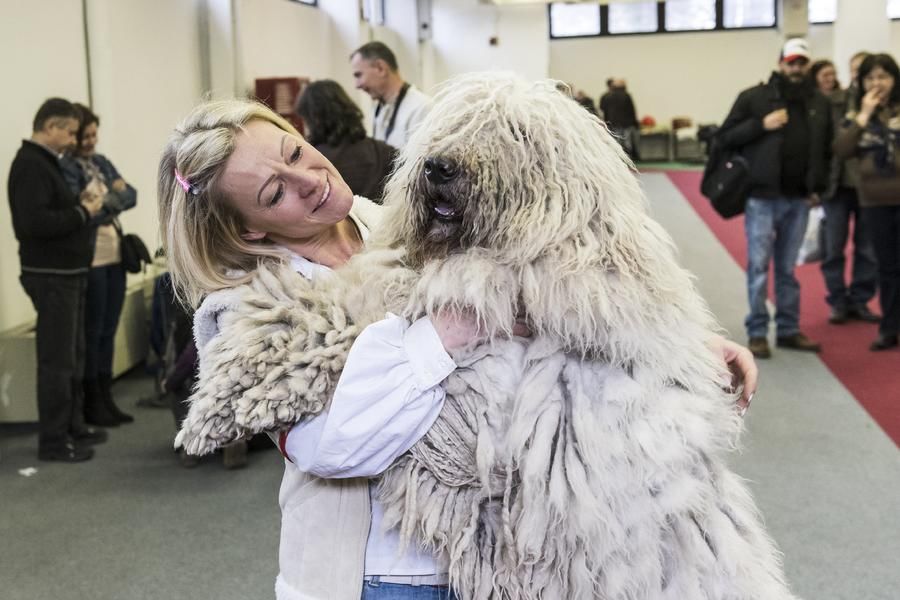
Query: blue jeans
[[775, 228], [105, 296], [836, 228], [377, 590]]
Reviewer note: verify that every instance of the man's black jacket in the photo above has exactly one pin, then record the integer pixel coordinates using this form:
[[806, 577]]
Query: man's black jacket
[[743, 132], [50, 223]]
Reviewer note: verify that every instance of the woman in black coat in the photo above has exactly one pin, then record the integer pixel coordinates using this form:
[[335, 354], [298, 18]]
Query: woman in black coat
[[333, 123]]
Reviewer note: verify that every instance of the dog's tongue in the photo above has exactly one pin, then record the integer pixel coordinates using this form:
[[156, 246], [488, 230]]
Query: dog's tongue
[[444, 210]]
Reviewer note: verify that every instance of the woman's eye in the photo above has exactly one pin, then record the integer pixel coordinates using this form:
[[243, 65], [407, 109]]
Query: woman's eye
[[295, 156], [279, 193]]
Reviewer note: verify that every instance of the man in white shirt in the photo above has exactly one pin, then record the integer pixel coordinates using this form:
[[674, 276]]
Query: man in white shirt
[[401, 106]]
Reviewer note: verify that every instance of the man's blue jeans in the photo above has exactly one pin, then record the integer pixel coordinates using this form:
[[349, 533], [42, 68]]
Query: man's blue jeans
[[863, 280], [775, 228]]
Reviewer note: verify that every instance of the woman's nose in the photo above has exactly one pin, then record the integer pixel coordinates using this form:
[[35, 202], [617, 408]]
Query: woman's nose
[[307, 181]]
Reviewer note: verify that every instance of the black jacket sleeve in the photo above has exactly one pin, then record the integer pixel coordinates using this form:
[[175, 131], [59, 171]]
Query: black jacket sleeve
[[31, 211], [741, 126]]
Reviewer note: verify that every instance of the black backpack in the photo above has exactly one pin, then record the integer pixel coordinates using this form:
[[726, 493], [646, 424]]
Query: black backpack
[[726, 181]]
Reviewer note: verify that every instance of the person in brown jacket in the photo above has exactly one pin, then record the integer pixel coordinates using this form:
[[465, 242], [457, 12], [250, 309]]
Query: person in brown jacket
[[873, 135]]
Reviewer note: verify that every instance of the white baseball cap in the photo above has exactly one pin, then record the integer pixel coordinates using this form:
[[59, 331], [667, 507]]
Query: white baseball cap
[[795, 48]]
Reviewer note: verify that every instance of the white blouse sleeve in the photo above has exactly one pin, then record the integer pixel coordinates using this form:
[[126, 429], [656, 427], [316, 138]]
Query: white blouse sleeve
[[386, 399]]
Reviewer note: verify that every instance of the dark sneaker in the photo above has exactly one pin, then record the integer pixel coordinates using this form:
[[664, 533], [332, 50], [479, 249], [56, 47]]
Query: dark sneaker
[[839, 315], [69, 453], [89, 436], [861, 312], [759, 347], [884, 342], [798, 341]]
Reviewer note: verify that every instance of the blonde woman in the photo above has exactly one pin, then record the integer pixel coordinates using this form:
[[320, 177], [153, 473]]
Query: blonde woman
[[238, 186]]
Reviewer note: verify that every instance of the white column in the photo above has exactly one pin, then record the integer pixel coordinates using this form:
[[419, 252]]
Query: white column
[[859, 26], [223, 55]]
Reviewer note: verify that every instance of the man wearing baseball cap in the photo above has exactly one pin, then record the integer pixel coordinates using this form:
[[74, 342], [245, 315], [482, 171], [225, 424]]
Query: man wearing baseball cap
[[783, 128]]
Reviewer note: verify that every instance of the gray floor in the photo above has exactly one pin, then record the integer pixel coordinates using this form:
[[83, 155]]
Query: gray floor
[[132, 524], [826, 477]]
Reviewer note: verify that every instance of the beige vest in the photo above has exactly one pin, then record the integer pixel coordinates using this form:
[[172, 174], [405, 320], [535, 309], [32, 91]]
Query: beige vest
[[324, 522], [324, 529]]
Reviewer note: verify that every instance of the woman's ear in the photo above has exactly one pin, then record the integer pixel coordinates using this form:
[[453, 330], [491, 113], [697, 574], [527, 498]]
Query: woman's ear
[[253, 236]]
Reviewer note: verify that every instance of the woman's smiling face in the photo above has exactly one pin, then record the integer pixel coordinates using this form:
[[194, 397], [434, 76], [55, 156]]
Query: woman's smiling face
[[282, 187]]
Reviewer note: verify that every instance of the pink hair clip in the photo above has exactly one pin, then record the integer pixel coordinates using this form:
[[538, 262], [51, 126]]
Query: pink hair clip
[[188, 187]]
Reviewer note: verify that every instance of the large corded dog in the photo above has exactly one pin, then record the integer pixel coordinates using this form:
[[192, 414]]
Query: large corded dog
[[585, 462]]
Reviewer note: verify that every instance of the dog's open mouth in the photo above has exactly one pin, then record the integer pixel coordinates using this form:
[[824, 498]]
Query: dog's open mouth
[[446, 218], [444, 211]]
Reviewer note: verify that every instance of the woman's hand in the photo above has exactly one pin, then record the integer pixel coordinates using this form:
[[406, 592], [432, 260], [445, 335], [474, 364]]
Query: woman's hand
[[867, 106], [91, 202], [457, 328], [742, 366]]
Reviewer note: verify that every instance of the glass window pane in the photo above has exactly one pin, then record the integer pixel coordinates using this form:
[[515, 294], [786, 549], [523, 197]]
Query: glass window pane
[[749, 13], [633, 17], [373, 11], [568, 20], [893, 9], [822, 11], [688, 15]]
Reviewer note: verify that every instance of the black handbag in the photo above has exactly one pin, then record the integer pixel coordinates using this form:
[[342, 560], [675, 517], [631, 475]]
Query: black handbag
[[726, 182], [134, 252]]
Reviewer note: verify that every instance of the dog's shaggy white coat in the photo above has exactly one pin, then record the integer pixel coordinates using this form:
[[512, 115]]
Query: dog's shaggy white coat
[[585, 462]]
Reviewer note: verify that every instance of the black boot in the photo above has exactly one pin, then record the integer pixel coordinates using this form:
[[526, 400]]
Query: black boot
[[110, 404], [95, 411]]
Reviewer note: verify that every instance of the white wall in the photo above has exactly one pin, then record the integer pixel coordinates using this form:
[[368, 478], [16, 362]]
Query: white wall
[[282, 39], [686, 74], [400, 33], [142, 89], [42, 46], [346, 35], [462, 30]]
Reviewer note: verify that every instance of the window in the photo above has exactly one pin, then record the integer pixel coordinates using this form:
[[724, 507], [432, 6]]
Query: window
[[690, 15], [822, 11], [592, 18], [635, 17], [749, 13], [573, 20], [373, 11], [893, 9]]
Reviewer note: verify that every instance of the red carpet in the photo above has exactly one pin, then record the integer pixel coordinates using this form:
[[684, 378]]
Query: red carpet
[[873, 378]]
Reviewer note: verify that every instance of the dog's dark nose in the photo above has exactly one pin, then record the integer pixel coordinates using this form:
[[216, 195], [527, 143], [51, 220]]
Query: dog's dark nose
[[440, 170]]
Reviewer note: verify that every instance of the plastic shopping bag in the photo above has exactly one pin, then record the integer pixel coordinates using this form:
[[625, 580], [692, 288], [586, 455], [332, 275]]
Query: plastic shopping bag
[[813, 247]]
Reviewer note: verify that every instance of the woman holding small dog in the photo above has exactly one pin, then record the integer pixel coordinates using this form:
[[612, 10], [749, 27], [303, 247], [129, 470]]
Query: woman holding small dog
[[239, 188]]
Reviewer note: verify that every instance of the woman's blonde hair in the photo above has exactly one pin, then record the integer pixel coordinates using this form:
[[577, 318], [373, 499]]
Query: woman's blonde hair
[[199, 228]]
